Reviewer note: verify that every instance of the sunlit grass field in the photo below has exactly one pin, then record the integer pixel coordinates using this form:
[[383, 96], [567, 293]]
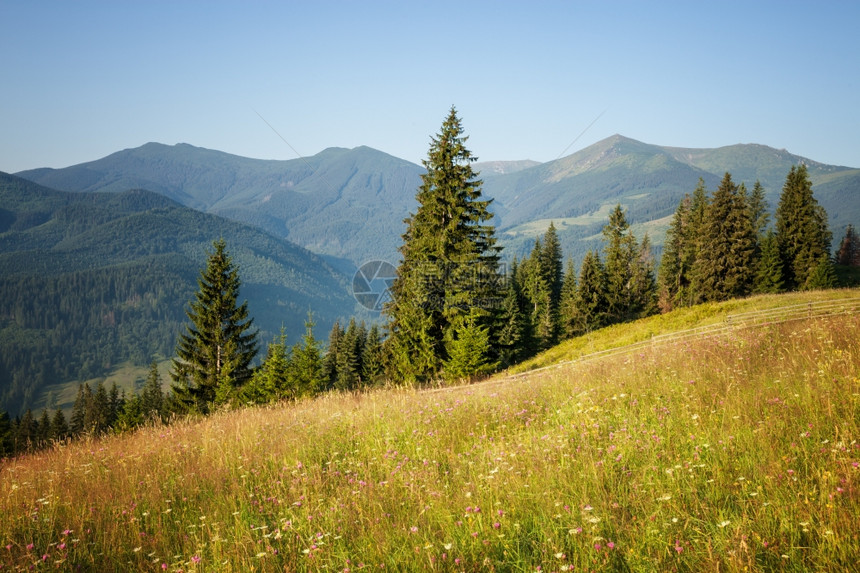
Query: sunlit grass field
[[737, 452]]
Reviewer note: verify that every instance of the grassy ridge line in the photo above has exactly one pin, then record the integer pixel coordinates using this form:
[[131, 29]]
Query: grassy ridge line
[[707, 318]]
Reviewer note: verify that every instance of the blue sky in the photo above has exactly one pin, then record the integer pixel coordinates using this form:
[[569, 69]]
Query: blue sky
[[84, 79]]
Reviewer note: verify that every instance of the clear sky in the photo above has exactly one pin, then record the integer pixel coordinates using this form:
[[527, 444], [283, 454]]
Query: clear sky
[[80, 80]]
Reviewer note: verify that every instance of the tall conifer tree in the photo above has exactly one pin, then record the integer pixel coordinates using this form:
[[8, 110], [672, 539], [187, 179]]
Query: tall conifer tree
[[567, 305], [552, 267], [592, 306], [801, 228], [673, 278], [450, 259], [723, 268], [213, 357]]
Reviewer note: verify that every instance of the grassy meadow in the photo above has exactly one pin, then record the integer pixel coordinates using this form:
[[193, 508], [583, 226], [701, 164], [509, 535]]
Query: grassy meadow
[[735, 452]]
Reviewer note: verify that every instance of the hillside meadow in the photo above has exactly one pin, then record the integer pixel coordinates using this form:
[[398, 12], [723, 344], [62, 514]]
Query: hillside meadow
[[736, 451]]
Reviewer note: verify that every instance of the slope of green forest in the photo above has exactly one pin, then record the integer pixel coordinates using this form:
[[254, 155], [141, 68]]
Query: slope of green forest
[[92, 280]]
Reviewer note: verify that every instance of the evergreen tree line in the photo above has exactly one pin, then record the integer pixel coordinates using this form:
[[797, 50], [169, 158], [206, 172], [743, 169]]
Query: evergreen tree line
[[547, 302], [721, 245], [94, 413]]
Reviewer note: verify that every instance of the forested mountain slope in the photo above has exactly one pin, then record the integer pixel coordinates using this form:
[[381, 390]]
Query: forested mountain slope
[[90, 280]]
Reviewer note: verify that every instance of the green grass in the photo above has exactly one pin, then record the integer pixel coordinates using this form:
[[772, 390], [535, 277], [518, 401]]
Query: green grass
[[736, 452], [678, 320]]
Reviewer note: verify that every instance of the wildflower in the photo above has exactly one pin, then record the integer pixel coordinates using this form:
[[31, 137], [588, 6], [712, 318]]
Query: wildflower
[[678, 547], [497, 525], [164, 566], [722, 524], [610, 545], [414, 529], [196, 559]]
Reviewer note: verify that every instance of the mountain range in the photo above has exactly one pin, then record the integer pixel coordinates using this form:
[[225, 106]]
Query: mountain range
[[349, 204]]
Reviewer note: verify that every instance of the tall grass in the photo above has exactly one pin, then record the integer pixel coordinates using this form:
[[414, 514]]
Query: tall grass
[[731, 453]]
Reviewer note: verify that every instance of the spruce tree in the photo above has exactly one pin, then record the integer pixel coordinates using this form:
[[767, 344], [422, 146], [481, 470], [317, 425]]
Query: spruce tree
[[723, 268], [214, 355], [331, 360], [592, 306], [801, 228], [449, 259], [132, 413], [674, 278], [59, 426], [44, 429], [567, 305], [349, 354], [693, 232], [758, 210], [618, 263], [152, 395], [78, 422], [849, 248], [643, 284], [512, 340], [822, 275], [469, 350], [115, 403], [97, 419], [271, 380], [537, 292], [373, 358], [768, 277], [553, 269], [26, 433], [306, 373]]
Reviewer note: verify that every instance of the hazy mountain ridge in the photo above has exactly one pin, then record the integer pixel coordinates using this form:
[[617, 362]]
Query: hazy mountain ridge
[[350, 203], [340, 202]]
